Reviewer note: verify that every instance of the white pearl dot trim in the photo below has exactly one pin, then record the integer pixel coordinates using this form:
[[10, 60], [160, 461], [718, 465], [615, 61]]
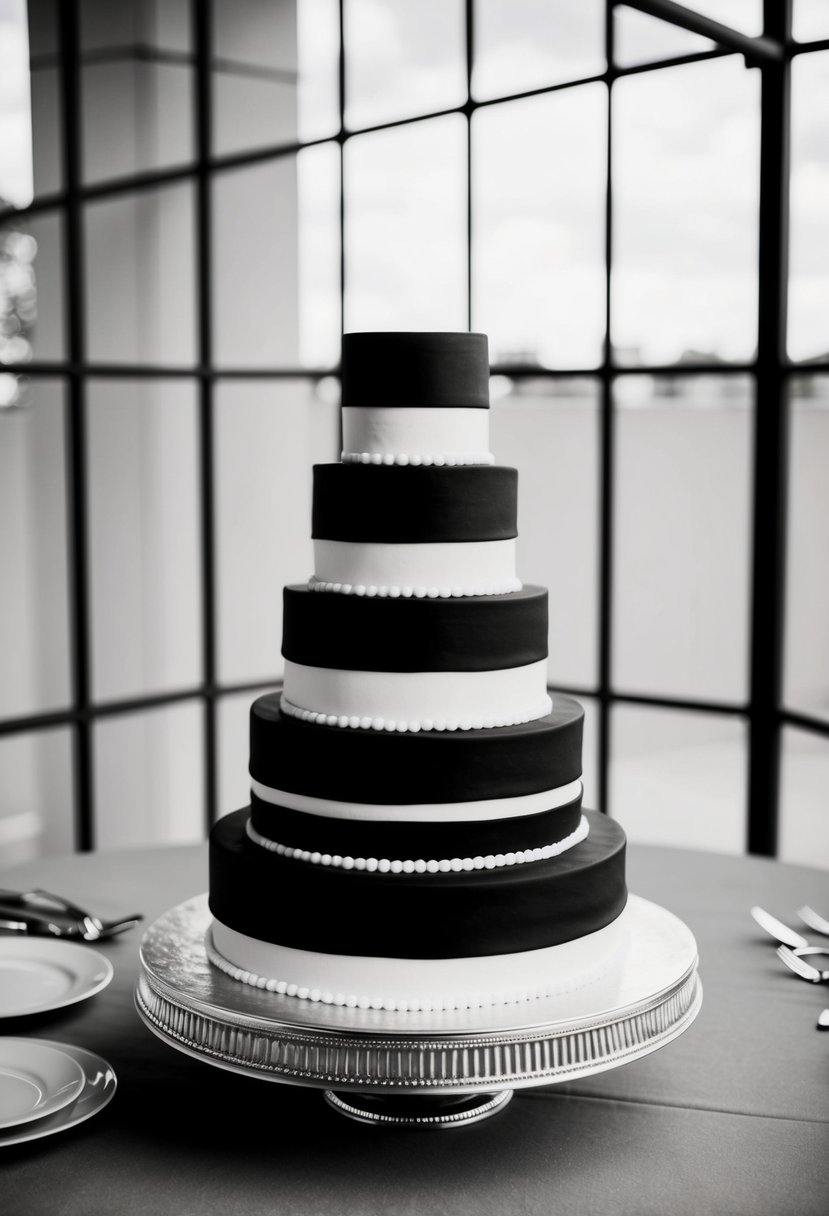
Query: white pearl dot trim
[[403, 726], [416, 458], [432, 593], [383, 865], [351, 1001]]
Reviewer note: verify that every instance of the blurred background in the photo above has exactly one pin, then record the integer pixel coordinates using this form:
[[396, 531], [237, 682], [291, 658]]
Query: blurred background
[[197, 196]]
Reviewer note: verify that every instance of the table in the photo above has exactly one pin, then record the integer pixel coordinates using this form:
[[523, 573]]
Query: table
[[733, 1117]]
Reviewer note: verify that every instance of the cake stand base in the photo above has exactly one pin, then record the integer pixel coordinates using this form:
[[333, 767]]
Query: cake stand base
[[420, 1069], [418, 1110]]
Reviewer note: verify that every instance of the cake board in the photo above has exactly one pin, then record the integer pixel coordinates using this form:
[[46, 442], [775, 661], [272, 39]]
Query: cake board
[[442, 1069]]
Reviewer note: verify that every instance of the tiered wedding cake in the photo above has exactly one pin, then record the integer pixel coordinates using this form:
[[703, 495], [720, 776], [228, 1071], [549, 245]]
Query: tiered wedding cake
[[415, 839]]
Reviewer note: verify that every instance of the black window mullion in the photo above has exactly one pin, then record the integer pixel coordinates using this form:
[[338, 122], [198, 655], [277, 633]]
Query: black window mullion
[[606, 458], [770, 445], [76, 441], [202, 41]]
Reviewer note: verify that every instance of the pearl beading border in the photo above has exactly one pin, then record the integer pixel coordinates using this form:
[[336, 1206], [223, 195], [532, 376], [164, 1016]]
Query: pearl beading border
[[416, 459], [403, 726], [383, 865], [432, 593], [352, 1001]]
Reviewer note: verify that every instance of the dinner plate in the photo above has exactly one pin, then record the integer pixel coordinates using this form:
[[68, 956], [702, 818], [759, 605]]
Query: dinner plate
[[38, 974], [100, 1084], [35, 1081]]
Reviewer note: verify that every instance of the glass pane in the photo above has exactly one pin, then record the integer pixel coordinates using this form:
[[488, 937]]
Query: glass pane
[[538, 235], [268, 435], [275, 72], [318, 47], [682, 519], [806, 681], [810, 20], [679, 778], [590, 753], [234, 751], [33, 589], [36, 812], [685, 165], [47, 135], [809, 208], [406, 230], [160, 25], [318, 188], [137, 114], [255, 265], [528, 44], [15, 107], [31, 288], [149, 777], [43, 27], [804, 798], [140, 278], [640, 38], [144, 537], [402, 59], [549, 431]]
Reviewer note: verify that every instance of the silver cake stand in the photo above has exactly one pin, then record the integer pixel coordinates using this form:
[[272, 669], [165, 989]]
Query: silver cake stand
[[419, 1069]]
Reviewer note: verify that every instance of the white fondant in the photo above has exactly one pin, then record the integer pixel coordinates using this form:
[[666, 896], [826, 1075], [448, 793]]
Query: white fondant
[[410, 985], [427, 812], [404, 458], [404, 701], [447, 569], [420, 865], [416, 435]]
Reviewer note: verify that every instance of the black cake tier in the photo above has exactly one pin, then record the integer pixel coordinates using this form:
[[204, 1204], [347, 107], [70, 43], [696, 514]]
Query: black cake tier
[[362, 633], [446, 915], [402, 504], [403, 838], [397, 370], [428, 767]]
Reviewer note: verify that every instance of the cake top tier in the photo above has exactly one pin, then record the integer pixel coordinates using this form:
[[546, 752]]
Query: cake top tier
[[405, 370]]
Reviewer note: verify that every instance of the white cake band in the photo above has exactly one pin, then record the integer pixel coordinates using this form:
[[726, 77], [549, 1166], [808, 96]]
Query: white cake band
[[410, 985], [484, 567], [421, 865], [427, 812], [416, 435], [416, 700]]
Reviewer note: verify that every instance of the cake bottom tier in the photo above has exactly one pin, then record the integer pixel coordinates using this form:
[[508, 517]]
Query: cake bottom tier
[[283, 919], [413, 985]]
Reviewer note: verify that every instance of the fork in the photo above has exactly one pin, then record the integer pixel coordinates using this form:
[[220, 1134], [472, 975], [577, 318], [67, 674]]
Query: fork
[[814, 920], [36, 906], [795, 961]]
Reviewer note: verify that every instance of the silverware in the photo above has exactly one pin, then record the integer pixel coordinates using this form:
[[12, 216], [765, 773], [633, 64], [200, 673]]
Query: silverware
[[776, 929], [814, 920], [823, 1020], [796, 962], [40, 912]]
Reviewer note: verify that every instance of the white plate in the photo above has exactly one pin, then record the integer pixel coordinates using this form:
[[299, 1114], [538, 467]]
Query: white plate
[[37, 974], [99, 1085], [35, 1081]]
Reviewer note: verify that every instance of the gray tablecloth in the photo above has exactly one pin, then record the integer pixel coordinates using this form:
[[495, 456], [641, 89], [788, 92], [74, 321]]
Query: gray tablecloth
[[732, 1117]]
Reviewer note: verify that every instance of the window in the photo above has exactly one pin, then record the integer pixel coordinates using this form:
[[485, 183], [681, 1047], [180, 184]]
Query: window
[[213, 187]]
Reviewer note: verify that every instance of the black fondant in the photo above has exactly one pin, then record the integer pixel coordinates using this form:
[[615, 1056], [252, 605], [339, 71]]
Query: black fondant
[[398, 504], [365, 633], [397, 838], [415, 369], [430, 766], [455, 915]]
